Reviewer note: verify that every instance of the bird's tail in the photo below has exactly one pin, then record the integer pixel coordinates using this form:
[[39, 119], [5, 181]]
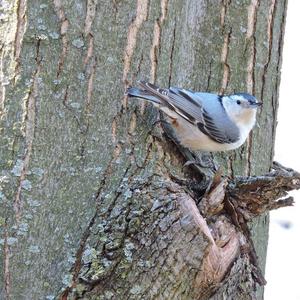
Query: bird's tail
[[143, 94]]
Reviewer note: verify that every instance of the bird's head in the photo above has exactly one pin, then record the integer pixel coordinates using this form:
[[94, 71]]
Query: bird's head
[[241, 108]]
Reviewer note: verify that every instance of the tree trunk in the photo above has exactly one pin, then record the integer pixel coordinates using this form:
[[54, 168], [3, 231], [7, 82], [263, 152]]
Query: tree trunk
[[91, 202]]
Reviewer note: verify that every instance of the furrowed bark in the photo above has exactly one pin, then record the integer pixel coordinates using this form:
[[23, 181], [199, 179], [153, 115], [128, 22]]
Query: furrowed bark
[[94, 201]]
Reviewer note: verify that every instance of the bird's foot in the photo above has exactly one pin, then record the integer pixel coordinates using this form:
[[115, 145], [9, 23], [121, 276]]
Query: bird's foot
[[204, 161]]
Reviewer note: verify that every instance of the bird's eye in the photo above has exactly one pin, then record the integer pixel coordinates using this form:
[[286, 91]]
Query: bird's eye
[[238, 102]]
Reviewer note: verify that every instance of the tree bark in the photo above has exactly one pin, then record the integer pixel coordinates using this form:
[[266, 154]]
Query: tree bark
[[93, 197]]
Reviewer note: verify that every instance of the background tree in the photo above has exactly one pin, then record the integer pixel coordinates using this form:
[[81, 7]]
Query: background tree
[[94, 204]]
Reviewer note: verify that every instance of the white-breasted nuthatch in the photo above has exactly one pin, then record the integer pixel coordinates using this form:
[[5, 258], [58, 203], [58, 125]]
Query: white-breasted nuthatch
[[203, 121]]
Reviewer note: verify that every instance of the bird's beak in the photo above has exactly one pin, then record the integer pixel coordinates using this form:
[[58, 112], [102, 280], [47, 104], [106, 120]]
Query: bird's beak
[[256, 104]]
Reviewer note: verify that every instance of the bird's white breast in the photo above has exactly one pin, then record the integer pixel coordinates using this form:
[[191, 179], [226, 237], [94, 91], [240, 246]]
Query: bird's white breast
[[190, 136]]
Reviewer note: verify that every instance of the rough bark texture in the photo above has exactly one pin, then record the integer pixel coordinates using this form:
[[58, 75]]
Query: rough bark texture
[[91, 202]]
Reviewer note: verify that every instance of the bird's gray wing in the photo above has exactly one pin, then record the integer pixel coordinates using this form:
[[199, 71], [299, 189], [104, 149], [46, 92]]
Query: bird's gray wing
[[210, 117], [176, 100], [221, 130], [168, 99]]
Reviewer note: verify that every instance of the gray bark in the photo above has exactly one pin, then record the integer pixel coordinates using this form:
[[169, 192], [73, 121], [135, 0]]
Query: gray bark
[[89, 204]]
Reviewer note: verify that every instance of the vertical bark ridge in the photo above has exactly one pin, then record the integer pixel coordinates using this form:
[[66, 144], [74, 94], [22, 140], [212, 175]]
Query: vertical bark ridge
[[141, 16], [270, 22], [6, 267], [225, 48], [171, 55], [226, 70], [89, 18], [156, 38], [20, 30], [64, 25], [279, 60], [29, 119], [252, 15]]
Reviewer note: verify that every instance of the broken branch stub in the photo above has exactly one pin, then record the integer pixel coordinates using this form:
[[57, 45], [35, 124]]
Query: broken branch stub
[[256, 195], [243, 199], [252, 196]]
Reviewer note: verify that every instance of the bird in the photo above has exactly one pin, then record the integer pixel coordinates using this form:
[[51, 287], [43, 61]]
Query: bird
[[202, 121]]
